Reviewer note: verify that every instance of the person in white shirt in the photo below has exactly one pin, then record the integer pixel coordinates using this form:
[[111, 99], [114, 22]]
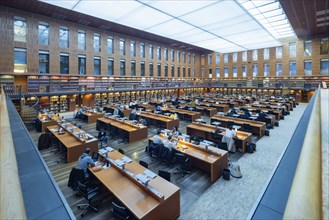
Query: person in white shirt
[[228, 138], [175, 131], [169, 144], [157, 139], [230, 132]]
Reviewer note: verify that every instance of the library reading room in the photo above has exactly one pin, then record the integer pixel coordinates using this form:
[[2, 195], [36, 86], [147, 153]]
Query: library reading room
[[164, 109]]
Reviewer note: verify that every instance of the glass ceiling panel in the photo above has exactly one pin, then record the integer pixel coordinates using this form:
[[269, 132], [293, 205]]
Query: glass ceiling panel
[[269, 7], [166, 28], [259, 3], [69, 4]]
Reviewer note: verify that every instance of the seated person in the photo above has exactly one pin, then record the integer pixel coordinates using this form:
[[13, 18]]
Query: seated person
[[102, 136], [175, 131], [233, 111], [143, 121], [261, 117], [157, 139], [117, 111], [173, 115], [133, 115], [155, 146], [159, 108], [228, 138], [85, 161]]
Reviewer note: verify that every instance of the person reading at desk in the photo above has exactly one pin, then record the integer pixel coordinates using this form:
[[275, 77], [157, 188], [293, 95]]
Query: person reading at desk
[[117, 111], [85, 161], [143, 121], [228, 138], [175, 131]]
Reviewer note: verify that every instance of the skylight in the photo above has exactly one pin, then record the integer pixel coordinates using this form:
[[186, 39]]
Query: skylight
[[222, 26]]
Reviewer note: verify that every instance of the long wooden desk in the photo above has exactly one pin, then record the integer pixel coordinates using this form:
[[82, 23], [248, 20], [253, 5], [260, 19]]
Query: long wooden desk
[[168, 122], [75, 147], [186, 115], [209, 111], [212, 161], [46, 121], [219, 107], [110, 109], [135, 132], [277, 113], [206, 131], [137, 199], [92, 116], [257, 127]]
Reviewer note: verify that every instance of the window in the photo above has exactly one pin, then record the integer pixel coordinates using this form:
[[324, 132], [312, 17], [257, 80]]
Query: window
[[172, 71], [225, 57], [151, 69], [189, 72], [43, 33], [292, 49], [235, 71], [266, 53], [189, 58], [82, 64], [292, 68], [193, 72], [307, 67], [110, 67], [166, 54], [244, 70], [20, 64], [193, 58], [308, 48], [159, 53], [266, 69], [132, 48], [254, 55], [217, 58], [278, 52], [324, 66], [151, 52], [166, 71], [184, 57], [142, 69], [132, 68], [122, 67], [97, 42], [244, 56], [178, 71], [172, 55], [110, 44], [210, 72], [43, 62], [225, 71], [278, 69], [178, 56], [324, 46], [81, 40], [97, 66], [235, 57], [122, 47], [142, 50], [255, 70], [202, 60], [64, 37], [184, 71], [159, 69], [209, 59], [20, 29], [64, 63], [217, 72], [202, 72]]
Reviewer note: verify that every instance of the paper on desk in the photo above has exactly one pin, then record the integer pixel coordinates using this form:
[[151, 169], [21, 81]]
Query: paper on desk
[[102, 151], [126, 159], [150, 174], [109, 149]]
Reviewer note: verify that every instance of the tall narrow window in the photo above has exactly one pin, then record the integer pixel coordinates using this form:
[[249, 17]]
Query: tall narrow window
[[150, 51], [278, 52], [151, 69], [159, 53], [142, 69], [43, 62], [82, 64], [225, 71], [209, 59], [142, 50], [20, 63], [254, 55], [244, 70], [133, 48], [159, 69], [172, 55], [217, 72], [278, 69], [166, 71], [178, 56], [266, 69], [122, 47], [110, 67], [189, 58], [64, 63], [244, 56], [166, 54], [235, 71], [110, 45], [20, 29], [133, 68], [184, 71], [43, 33], [324, 66], [81, 40], [307, 67], [217, 58], [97, 66], [193, 72], [193, 58], [189, 72], [183, 57], [210, 72], [308, 48], [97, 42], [225, 57], [64, 37], [235, 57], [266, 54], [292, 68], [255, 70], [292, 49], [172, 71], [202, 60], [324, 46], [202, 72], [178, 71], [122, 67]]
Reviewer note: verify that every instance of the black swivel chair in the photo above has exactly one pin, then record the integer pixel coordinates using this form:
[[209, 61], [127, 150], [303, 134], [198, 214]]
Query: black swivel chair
[[121, 151], [246, 127], [230, 124], [120, 211], [223, 146], [185, 164], [89, 193], [165, 175], [75, 176], [144, 164]]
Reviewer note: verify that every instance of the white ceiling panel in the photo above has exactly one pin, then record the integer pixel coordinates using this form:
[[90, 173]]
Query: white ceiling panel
[[166, 28], [69, 4]]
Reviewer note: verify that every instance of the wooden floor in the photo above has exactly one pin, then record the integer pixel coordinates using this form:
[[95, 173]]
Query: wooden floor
[[191, 186]]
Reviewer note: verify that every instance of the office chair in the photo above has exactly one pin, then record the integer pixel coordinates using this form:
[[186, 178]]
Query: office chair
[[230, 124], [246, 127], [121, 151], [185, 163], [88, 194], [75, 176], [144, 164], [223, 146], [216, 137], [95, 156], [120, 211], [165, 175]]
